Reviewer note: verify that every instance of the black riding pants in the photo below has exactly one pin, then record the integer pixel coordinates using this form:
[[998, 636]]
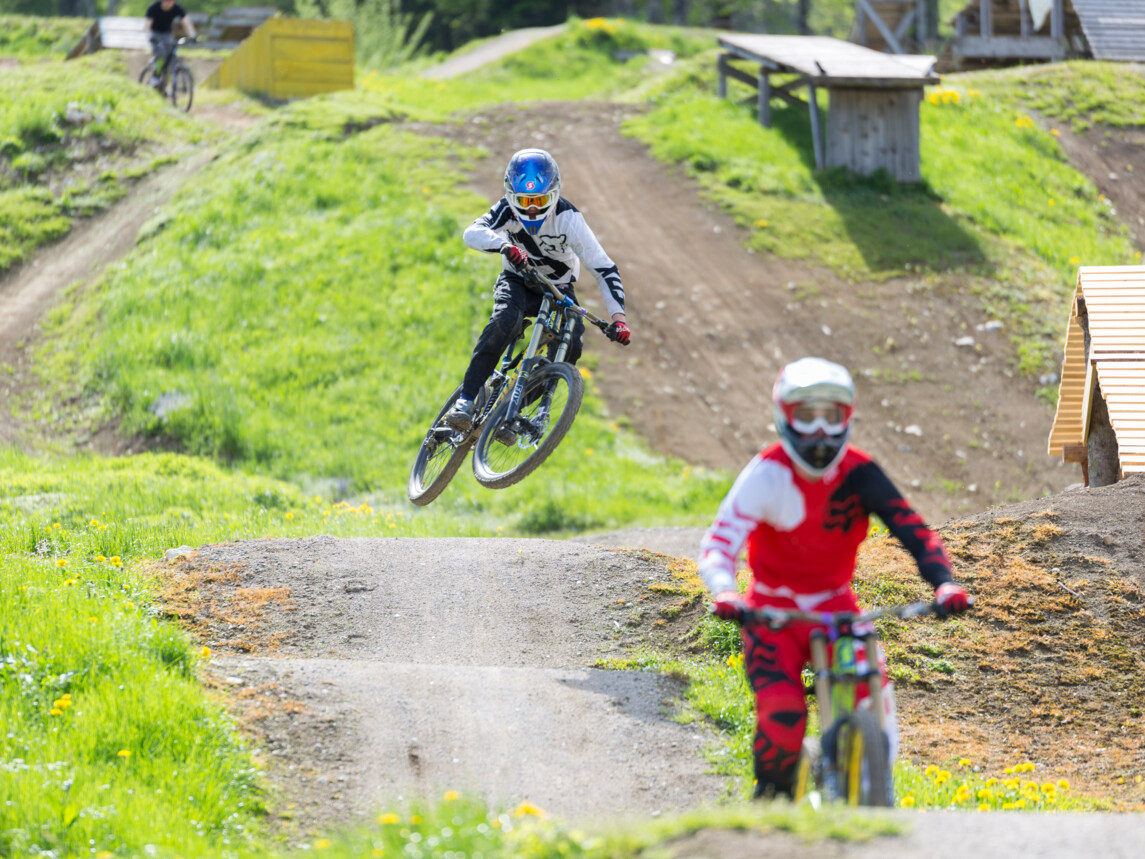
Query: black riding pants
[[513, 302]]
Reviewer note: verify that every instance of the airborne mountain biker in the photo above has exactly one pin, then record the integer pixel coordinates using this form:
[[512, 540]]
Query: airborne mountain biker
[[801, 507], [533, 223]]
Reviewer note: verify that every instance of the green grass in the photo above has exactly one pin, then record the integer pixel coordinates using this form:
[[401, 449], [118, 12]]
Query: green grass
[[28, 37], [998, 204], [304, 310], [52, 168]]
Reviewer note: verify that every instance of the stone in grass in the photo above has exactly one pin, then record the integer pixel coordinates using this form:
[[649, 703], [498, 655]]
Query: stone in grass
[[172, 555]]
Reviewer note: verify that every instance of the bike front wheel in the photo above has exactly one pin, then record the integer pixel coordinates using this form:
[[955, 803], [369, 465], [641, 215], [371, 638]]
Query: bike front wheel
[[508, 451], [182, 88], [864, 776], [441, 453]]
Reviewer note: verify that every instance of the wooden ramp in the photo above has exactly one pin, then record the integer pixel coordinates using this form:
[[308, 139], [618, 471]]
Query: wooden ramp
[[286, 58], [1109, 305]]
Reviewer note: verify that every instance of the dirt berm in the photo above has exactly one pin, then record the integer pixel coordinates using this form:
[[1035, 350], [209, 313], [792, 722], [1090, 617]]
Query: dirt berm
[[373, 669]]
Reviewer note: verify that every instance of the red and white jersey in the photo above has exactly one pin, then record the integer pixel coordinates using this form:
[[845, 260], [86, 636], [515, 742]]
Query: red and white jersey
[[803, 536], [562, 242]]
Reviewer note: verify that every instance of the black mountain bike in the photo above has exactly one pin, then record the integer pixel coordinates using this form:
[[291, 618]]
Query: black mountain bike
[[175, 80], [523, 412], [849, 760]]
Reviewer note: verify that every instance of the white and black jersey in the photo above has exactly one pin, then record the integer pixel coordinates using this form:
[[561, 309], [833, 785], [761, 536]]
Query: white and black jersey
[[563, 241]]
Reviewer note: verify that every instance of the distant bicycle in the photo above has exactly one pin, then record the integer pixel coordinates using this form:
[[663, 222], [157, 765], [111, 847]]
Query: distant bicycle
[[176, 81]]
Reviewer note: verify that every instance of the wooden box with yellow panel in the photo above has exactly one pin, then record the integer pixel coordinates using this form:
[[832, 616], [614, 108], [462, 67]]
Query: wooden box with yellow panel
[[1100, 420], [288, 58]]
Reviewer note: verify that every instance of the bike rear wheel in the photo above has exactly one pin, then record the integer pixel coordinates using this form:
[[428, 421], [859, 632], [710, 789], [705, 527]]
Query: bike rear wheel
[[182, 88], [148, 71], [864, 768], [441, 453], [508, 452]]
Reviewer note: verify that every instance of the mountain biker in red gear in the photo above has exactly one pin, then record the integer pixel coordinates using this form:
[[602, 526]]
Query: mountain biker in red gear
[[161, 17], [534, 224], [801, 507]]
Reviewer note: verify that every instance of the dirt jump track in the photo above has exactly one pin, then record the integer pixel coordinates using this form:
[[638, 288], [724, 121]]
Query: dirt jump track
[[377, 669]]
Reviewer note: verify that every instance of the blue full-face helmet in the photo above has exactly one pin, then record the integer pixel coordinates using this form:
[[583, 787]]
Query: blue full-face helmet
[[532, 182]]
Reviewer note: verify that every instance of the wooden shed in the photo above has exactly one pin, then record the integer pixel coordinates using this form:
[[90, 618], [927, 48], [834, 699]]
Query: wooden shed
[[286, 58], [1006, 31], [1100, 420], [873, 98]]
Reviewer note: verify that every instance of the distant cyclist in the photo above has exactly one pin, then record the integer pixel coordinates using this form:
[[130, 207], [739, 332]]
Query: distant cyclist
[[161, 17], [801, 507], [533, 223]]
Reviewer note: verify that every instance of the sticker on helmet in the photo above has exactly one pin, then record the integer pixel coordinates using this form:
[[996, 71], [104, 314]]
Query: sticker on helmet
[[530, 185]]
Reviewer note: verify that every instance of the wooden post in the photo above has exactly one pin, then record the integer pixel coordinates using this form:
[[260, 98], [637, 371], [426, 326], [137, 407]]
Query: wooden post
[[861, 23], [986, 18], [764, 96], [1024, 16], [922, 24], [1057, 20], [722, 76], [816, 125]]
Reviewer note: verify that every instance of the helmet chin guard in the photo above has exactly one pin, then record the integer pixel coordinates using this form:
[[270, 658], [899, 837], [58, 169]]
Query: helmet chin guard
[[813, 401], [532, 187]]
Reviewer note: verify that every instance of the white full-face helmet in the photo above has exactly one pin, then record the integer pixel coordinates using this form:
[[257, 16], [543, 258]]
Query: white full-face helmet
[[813, 401], [532, 181]]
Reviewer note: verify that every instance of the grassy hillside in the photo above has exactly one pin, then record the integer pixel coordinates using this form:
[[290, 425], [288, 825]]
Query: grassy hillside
[[292, 322], [73, 136], [27, 37]]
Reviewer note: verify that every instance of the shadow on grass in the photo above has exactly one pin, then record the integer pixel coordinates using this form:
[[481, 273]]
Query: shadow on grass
[[890, 224]]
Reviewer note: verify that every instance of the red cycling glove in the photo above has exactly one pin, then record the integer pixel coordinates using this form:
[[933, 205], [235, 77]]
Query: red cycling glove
[[728, 605], [514, 254], [619, 332], [951, 599]]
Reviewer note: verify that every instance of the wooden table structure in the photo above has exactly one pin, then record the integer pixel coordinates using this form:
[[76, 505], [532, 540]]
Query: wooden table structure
[[1101, 398], [873, 98]]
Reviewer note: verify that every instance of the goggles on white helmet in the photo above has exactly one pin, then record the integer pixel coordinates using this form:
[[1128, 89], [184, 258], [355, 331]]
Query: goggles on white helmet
[[532, 181], [813, 402]]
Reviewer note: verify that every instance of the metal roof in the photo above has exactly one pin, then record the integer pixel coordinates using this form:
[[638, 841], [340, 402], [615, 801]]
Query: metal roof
[[1114, 301], [1115, 29]]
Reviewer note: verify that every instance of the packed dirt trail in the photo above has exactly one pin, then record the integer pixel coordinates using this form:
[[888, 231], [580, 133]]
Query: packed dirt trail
[[958, 429]]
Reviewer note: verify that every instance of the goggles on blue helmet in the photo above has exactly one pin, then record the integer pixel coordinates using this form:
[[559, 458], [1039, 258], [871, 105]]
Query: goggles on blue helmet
[[532, 187]]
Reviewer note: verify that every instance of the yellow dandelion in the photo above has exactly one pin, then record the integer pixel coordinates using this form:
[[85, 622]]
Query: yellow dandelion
[[388, 819], [115, 561], [1063, 784], [290, 515], [943, 777], [321, 843], [527, 808], [962, 794], [983, 807], [1074, 260], [123, 753], [94, 523], [100, 559], [1121, 780], [585, 372], [452, 796], [762, 223], [1049, 787], [61, 562], [377, 851], [931, 770], [205, 652], [588, 451], [415, 819], [907, 801], [963, 762], [1055, 132], [1008, 771], [1051, 201], [991, 781], [55, 711]]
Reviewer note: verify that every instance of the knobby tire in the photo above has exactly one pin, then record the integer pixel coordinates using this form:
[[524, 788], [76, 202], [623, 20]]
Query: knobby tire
[[182, 88], [496, 465], [432, 470], [864, 775]]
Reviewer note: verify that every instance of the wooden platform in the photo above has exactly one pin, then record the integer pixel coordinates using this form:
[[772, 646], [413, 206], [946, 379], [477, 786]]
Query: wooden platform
[[1109, 301], [873, 98]]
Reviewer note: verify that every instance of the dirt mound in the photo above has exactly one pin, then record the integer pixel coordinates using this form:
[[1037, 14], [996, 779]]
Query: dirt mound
[[1046, 669]]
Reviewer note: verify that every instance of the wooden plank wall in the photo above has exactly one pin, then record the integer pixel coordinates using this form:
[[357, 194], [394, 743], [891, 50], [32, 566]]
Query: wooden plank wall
[[286, 58], [1067, 427], [868, 129]]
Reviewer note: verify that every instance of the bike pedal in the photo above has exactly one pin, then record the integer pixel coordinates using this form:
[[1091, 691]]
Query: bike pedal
[[505, 435]]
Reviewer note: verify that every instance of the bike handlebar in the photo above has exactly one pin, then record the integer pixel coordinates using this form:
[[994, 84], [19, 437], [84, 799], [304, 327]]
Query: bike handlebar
[[777, 618], [531, 271]]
